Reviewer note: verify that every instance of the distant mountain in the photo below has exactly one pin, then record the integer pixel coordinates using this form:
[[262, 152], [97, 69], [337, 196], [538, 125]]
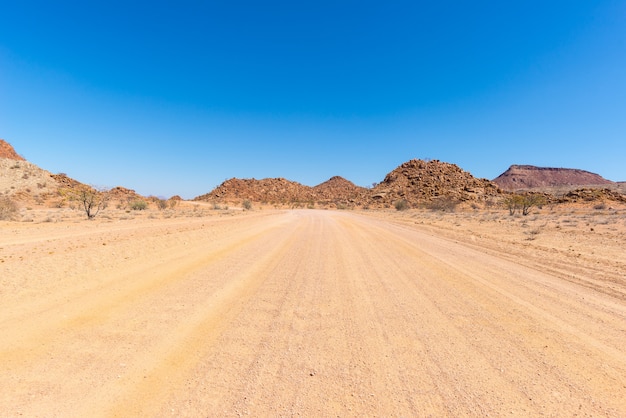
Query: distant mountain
[[530, 177]]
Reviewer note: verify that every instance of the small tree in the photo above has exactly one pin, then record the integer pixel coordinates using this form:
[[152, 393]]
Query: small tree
[[530, 200], [523, 202], [512, 203], [91, 200]]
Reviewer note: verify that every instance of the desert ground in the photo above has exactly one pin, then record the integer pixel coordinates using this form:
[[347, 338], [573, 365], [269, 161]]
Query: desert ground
[[202, 312]]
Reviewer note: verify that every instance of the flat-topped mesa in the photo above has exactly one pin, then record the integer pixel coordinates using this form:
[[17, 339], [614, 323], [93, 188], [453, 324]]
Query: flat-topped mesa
[[7, 151], [529, 177]]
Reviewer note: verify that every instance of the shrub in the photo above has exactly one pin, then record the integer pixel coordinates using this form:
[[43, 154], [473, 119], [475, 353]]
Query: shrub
[[401, 205], [443, 203], [8, 208], [138, 205], [161, 204], [247, 205]]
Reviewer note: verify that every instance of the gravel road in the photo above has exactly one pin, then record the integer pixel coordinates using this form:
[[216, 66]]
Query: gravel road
[[295, 313]]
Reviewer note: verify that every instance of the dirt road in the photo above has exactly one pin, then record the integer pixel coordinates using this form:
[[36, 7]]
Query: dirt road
[[297, 313]]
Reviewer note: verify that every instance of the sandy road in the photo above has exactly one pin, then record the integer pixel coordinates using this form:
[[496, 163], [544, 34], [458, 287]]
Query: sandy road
[[302, 313]]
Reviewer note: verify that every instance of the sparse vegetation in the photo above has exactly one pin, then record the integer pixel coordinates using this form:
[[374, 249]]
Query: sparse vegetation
[[8, 208], [246, 204], [401, 205], [138, 204]]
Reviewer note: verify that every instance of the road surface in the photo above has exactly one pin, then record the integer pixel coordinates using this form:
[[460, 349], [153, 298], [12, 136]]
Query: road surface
[[295, 313]]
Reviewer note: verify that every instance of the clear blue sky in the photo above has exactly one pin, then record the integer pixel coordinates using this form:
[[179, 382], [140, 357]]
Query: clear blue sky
[[175, 97]]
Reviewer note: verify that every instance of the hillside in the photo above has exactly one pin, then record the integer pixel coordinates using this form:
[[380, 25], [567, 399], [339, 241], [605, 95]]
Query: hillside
[[519, 177], [26, 182], [23, 180]]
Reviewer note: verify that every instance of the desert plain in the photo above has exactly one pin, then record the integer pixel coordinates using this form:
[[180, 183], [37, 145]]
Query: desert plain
[[203, 311]]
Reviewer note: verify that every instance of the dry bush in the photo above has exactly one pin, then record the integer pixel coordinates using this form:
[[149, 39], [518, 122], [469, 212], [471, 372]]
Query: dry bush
[[173, 203], [401, 205], [8, 208], [443, 203], [161, 204]]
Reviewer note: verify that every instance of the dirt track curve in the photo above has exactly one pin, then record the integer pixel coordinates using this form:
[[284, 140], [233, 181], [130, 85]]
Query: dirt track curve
[[296, 313]]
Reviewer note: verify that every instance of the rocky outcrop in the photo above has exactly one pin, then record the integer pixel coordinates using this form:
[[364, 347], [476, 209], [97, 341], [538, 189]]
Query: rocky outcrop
[[519, 177], [591, 195], [123, 194], [419, 182], [7, 151]]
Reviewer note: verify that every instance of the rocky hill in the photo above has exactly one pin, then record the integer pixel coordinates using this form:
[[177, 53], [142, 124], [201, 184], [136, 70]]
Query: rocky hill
[[519, 177], [339, 190], [419, 182], [270, 190], [7, 151]]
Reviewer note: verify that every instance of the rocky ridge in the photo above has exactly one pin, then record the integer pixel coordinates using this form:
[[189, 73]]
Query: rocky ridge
[[416, 181]]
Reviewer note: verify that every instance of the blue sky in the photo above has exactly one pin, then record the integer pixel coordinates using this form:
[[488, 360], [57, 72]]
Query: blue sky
[[175, 97]]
